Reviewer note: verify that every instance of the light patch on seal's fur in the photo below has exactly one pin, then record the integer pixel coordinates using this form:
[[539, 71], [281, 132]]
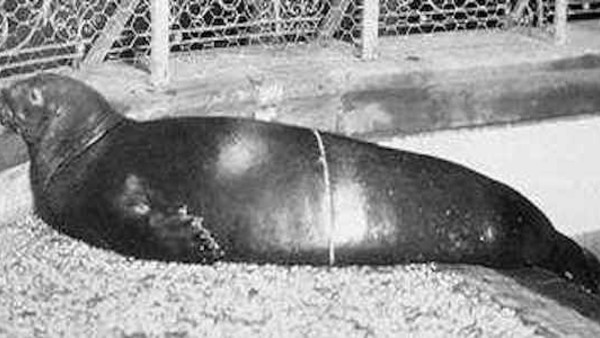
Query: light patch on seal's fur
[[133, 199], [236, 157], [350, 213]]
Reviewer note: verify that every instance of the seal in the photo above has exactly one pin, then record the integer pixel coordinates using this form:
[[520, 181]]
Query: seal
[[217, 188]]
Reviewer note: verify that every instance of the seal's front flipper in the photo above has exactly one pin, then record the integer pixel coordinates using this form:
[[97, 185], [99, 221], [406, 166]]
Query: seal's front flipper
[[182, 237], [152, 226]]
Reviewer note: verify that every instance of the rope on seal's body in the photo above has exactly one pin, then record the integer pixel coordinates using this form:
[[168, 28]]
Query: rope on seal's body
[[329, 205]]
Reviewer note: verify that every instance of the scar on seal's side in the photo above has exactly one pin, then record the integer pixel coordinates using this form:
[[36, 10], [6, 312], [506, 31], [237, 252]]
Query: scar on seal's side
[[218, 188]]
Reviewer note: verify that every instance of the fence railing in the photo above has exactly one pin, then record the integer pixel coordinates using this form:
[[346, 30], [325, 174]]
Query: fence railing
[[44, 34], [584, 7]]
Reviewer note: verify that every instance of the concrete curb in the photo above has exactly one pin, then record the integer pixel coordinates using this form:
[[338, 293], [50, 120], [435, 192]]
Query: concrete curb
[[15, 198]]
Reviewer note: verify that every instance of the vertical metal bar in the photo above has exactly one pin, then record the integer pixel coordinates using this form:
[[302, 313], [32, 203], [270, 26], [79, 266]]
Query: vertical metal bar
[[333, 19], [276, 10], [80, 49], [370, 21], [560, 22], [159, 47], [541, 18]]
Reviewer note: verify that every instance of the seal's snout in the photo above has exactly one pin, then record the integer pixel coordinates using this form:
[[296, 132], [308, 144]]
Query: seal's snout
[[13, 113]]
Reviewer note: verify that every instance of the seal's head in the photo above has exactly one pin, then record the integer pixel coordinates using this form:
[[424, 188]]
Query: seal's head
[[22, 109], [43, 104]]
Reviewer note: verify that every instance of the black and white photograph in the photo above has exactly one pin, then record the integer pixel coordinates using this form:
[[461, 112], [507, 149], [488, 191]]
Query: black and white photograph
[[299, 168]]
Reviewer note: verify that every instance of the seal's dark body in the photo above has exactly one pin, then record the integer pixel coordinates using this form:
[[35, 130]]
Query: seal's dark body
[[266, 192], [417, 208]]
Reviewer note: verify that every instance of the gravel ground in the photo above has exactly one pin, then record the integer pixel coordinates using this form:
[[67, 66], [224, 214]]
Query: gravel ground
[[54, 286]]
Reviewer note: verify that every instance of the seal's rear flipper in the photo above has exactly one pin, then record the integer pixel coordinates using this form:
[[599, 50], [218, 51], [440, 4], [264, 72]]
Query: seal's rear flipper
[[594, 265], [578, 264]]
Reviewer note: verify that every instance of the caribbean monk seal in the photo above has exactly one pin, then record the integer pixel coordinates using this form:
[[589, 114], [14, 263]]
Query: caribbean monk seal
[[218, 188]]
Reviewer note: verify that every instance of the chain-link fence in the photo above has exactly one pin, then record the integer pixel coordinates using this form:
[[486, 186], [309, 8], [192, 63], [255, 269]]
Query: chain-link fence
[[40, 34]]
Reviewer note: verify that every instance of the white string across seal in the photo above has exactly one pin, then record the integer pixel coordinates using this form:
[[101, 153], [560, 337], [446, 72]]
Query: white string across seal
[[329, 206]]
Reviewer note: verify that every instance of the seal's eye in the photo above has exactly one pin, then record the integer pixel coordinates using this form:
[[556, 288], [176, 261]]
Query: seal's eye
[[35, 97]]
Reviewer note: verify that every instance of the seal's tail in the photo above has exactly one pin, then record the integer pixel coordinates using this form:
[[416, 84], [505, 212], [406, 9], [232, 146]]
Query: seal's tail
[[573, 262]]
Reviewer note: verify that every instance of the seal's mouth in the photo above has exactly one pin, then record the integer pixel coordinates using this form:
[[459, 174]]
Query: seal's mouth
[[7, 117], [5, 111]]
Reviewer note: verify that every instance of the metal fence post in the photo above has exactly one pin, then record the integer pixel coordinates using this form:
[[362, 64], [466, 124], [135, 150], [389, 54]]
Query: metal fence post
[[370, 23], [560, 25], [159, 46]]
